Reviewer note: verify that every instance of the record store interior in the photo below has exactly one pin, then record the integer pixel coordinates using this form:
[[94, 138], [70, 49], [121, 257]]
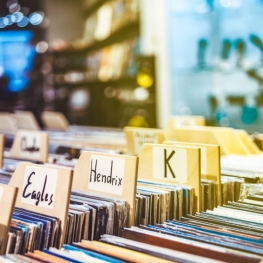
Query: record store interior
[[131, 131]]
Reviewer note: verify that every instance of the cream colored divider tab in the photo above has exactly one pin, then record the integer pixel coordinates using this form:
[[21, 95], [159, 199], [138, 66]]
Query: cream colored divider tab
[[210, 162], [30, 145], [183, 121], [45, 190], [8, 124], [108, 175], [225, 137], [136, 137], [55, 120], [243, 135], [26, 120], [2, 144], [7, 203], [172, 164]]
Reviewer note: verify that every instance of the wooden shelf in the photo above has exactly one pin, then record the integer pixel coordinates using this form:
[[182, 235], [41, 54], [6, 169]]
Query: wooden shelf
[[91, 9], [88, 83], [125, 32]]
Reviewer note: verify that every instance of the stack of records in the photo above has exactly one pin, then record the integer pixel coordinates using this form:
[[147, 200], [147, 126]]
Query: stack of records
[[230, 188], [236, 226], [249, 168], [104, 215], [111, 249], [31, 231], [158, 202], [89, 217]]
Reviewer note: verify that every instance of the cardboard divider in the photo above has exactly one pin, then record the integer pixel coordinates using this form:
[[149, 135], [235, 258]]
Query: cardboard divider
[[43, 189], [2, 147], [8, 123], [26, 120], [210, 162], [184, 121], [108, 175], [136, 137], [54, 121], [7, 202], [243, 135], [30, 145], [173, 165], [225, 137]]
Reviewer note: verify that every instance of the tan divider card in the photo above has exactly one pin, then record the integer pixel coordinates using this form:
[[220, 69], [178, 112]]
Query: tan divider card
[[7, 202], [7, 124], [30, 145], [232, 143], [26, 120], [225, 137], [109, 175], [183, 121], [243, 135], [2, 144], [136, 137], [44, 190], [171, 164], [210, 162], [55, 120]]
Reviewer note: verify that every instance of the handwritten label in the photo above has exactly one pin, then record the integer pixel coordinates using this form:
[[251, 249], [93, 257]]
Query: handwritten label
[[170, 164], [141, 137], [1, 192], [184, 122], [39, 186], [30, 145], [106, 174]]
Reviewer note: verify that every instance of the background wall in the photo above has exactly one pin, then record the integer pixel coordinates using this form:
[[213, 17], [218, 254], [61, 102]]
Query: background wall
[[62, 23]]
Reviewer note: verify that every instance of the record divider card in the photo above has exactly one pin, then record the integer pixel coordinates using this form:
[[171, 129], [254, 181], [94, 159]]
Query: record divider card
[[173, 165], [7, 202], [2, 143], [45, 190], [229, 142], [108, 175], [55, 121], [136, 137], [243, 135], [30, 145], [26, 120], [210, 162]]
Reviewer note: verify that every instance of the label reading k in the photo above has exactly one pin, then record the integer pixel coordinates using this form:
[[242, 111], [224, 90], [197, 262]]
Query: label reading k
[[166, 163]]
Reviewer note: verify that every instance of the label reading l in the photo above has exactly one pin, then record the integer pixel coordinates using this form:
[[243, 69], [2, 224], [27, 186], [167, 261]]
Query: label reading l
[[39, 186], [169, 163], [106, 174], [141, 137], [30, 145]]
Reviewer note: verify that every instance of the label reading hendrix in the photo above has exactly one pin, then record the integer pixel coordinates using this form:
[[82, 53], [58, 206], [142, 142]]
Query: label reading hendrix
[[106, 174], [39, 186], [141, 137], [169, 163]]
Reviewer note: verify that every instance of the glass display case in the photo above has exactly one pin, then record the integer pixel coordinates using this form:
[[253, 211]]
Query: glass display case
[[216, 61]]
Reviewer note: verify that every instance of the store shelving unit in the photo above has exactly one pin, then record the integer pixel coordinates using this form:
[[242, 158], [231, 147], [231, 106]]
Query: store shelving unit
[[79, 69]]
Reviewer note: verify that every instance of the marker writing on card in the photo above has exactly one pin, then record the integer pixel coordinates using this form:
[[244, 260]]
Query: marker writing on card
[[39, 196], [28, 148], [167, 164], [145, 137], [104, 178]]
